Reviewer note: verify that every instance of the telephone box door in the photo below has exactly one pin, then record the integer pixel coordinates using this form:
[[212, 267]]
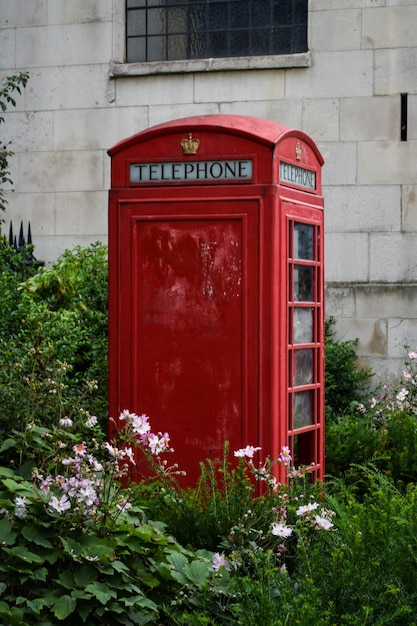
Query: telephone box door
[[189, 306]]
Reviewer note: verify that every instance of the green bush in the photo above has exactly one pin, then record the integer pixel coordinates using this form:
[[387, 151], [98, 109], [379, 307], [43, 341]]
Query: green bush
[[345, 382], [55, 325]]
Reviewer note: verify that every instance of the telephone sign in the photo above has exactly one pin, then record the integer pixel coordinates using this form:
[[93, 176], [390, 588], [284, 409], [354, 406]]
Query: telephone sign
[[216, 287]]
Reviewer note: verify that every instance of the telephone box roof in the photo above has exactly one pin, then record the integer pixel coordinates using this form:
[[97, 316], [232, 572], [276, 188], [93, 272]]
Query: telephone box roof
[[256, 129]]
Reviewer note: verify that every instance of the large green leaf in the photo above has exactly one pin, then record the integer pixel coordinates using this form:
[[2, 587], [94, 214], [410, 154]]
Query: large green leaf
[[85, 575], [24, 554], [64, 606], [101, 591], [7, 535], [37, 536], [7, 444], [197, 572]]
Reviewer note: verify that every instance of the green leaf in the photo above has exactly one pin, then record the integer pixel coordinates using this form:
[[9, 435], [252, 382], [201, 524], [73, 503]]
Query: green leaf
[[7, 444], [7, 536], [64, 606], [66, 579], [197, 572], [177, 560], [85, 575], [35, 535], [24, 554], [101, 591], [23, 489]]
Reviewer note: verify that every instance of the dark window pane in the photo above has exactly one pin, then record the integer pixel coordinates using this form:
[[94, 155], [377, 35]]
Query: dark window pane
[[303, 241], [303, 283], [214, 28]]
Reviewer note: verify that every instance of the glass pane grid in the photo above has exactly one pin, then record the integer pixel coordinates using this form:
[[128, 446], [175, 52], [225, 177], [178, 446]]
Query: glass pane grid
[[213, 28]]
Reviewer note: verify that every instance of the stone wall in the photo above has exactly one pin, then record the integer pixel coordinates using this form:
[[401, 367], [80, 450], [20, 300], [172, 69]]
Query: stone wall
[[363, 55]]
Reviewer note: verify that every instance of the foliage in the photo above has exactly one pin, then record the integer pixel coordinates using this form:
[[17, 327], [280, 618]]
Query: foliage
[[74, 546], [10, 85], [56, 316], [344, 381], [382, 431]]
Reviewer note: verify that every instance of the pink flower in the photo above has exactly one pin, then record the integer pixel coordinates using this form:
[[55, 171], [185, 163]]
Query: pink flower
[[285, 455], [220, 561], [80, 449], [322, 523]]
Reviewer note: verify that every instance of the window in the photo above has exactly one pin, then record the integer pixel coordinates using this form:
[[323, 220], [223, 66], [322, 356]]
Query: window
[[173, 30]]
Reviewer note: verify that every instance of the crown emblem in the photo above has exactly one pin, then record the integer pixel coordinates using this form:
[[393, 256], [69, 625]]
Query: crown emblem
[[298, 151], [190, 145]]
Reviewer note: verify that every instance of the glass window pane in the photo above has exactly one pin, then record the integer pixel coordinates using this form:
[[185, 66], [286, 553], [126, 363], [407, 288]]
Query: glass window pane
[[303, 367], [303, 325], [303, 283], [253, 27], [303, 409], [303, 241]]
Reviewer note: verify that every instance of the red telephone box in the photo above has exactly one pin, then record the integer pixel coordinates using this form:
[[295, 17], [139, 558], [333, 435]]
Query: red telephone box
[[216, 287]]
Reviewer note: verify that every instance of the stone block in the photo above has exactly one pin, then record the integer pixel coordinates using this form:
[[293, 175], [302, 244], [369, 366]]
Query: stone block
[[169, 90], [381, 162], [373, 118], [8, 48], [393, 257], [36, 208], [79, 11], [412, 117], [165, 113], [340, 301], [49, 248], [81, 214], [320, 119], [21, 13], [88, 129], [402, 337], [328, 76], [66, 88], [287, 112], [389, 27], [371, 333], [362, 208], [230, 86], [395, 71], [340, 161], [74, 44], [30, 131], [409, 208], [335, 29], [393, 300], [346, 258], [60, 171]]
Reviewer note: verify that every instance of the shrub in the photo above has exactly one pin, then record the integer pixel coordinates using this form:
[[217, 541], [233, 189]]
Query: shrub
[[56, 322], [344, 381]]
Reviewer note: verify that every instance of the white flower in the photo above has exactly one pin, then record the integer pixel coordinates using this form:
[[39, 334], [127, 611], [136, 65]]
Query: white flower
[[249, 451], [60, 504], [281, 530], [65, 422], [307, 508], [91, 421], [87, 495], [20, 507]]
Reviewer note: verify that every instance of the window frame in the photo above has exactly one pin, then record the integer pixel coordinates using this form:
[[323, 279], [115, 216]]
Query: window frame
[[120, 67]]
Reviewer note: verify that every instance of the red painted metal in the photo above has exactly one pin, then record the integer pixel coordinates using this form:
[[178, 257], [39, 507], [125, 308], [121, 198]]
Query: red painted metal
[[207, 293]]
